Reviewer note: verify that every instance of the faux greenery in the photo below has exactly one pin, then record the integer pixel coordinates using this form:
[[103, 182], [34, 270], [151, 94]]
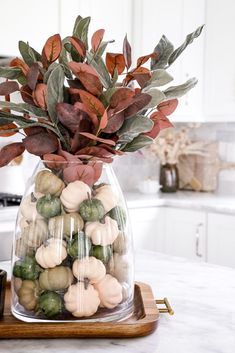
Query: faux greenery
[[76, 105]]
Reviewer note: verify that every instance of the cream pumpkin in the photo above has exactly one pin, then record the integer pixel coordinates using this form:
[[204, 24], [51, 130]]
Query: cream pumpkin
[[35, 233], [28, 294], [81, 300], [52, 253], [28, 207], [73, 195], [90, 268], [56, 278], [110, 292], [102, 233], [65, 225], [48, 183], [119, 267], [107, 196]]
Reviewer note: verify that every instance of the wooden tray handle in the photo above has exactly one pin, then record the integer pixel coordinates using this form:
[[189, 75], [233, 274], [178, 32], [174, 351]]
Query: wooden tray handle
[[168, 309]]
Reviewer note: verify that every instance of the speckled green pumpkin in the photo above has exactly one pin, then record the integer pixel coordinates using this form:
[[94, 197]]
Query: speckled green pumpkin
[[102, 253], [48, 206], [79, 247], [119, 215], [50, 304], [27, 268], [92, 210]]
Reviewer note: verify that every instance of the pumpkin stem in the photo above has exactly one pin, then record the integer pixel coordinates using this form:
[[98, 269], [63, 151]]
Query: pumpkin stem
[[33, 198], [86, 283], [89, 196]]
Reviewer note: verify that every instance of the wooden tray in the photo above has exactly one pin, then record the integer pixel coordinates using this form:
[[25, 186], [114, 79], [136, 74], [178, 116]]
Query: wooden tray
[[143, 322]]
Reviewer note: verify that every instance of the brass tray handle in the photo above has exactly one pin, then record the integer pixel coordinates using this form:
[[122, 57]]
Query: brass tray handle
[[168, 309]]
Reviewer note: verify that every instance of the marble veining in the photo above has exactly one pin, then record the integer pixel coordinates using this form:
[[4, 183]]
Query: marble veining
[[202, 296]]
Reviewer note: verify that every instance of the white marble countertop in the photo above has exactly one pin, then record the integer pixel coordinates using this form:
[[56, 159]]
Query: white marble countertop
[[209, 202], [201, 295]]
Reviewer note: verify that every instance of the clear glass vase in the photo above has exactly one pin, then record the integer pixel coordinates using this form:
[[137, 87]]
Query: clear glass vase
[[72, 253]]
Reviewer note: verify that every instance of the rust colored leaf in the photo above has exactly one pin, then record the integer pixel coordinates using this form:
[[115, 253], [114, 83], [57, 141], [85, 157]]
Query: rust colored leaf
[[21, 64], [95, 151], [7, 127], [52, 48], [32, 75], [26, 94], [140, 101], [85, 173], [69, 115], [121, 99], [96, 39], [93, 104], [34, 130], [160, 122], [91, 115], [88, 77], [143, 59], [40, 144], [79, 46], [8, 87], [113, 61], [99, 139], [127, 52], [53, 161], [141, 75], [103, 121], [9, 152], [40, 95], [114, 123], [168, 107]]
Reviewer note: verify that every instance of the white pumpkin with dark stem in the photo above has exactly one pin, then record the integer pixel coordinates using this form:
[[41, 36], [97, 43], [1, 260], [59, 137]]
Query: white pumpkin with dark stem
[[102, 233], [89, 268], [81, 300], [28, 207], [110, 292], [52, 253], [107, 196], [73, 195]]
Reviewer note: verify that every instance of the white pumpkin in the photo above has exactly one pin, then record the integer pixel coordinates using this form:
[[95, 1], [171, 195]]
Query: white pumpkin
[[35, 233], [28, 207], [73, 195], [119, 267], [47, 182], [102, 233], [52, 253], [110, 292], [81, 300], [107, 196], [89, 267]]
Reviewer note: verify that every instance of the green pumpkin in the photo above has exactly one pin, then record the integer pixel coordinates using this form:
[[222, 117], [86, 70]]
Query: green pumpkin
[[79, 247], [91, 210], [27, 268], [102, 253], [50, 304], [119, 215], [48, 206]]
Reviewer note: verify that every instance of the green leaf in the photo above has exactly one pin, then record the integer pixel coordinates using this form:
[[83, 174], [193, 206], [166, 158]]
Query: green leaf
[[164, 49], [81, 29], [29, 54], [115, 76], [106, 96], [11, 73], [159, 78], [189, 39], [55, 88], [157, 97], [24, 108], [138, 143], [98, 64], [49, 71], [63, 59], [179, 91], [134, 126]]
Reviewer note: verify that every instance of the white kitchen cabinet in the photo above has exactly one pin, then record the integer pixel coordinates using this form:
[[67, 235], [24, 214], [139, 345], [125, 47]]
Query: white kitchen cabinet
[[221, 239], [27, 20], [185, 233], [219, 98], [148, 228]]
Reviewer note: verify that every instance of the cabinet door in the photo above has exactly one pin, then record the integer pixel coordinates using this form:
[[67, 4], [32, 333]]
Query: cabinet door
[[186, 233], [219, 65], [148, 228], [27, 20], [221, 239]]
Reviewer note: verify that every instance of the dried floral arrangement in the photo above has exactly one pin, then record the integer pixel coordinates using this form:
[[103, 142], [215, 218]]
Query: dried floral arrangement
[[76, 106], [172, 144]]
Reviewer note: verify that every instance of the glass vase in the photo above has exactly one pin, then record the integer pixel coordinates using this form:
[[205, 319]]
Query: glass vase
[[72, 253], [169, 178]]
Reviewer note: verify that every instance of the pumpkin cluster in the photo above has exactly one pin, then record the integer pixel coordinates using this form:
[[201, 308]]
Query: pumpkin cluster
[[72, 249], [77, 105]]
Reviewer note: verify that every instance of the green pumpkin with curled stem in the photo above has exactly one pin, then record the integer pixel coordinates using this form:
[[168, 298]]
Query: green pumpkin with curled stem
[[79, 246], [91, 210], [102, 253], [48, 206], [27, 268], [119, 215], [50, 304]]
